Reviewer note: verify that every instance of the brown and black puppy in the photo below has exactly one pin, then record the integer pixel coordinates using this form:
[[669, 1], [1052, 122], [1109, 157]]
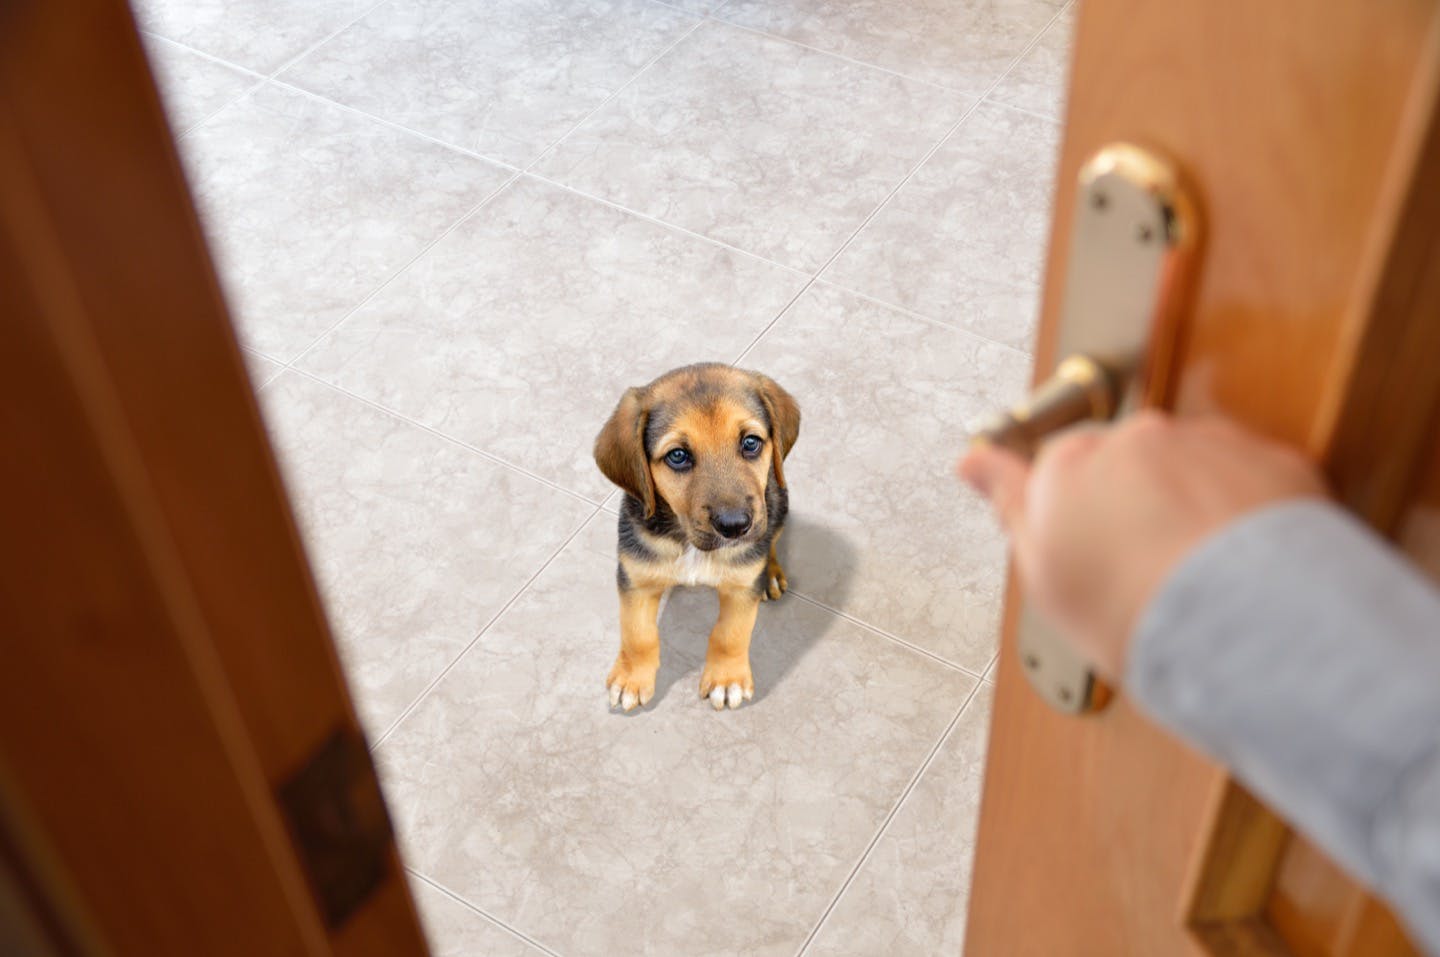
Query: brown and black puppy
[[699, 453]]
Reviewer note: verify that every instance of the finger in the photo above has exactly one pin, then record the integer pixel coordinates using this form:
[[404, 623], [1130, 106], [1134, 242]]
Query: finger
[[999, 475]]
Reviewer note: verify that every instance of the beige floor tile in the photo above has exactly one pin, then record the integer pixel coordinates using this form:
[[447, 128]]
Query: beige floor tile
[[415, 541], [595, 832], [192, 86], [1038, 81], [455, 930], [505, 78], [310, 208], [520, 330], [963, 44], [774, 149], [260, 35], [882, 529], [964, 241], [909, 898]]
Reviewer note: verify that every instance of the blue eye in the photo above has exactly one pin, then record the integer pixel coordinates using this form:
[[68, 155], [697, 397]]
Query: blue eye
[[750, 445], [678, 459]]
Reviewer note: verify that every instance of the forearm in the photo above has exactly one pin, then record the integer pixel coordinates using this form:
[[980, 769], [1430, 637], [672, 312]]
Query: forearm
[[1304, 654]]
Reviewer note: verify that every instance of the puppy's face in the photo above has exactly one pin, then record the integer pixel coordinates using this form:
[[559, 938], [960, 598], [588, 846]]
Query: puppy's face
[[710, 461], [704, 440]]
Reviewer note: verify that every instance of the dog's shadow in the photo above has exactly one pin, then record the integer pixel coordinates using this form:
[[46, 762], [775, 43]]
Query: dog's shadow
[[813, 555]]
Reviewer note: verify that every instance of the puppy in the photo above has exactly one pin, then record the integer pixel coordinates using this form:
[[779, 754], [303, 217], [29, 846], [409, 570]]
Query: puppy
[[699, 453]]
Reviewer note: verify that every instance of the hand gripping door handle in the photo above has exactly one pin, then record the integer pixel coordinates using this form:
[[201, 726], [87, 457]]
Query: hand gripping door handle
[[1133, 249]]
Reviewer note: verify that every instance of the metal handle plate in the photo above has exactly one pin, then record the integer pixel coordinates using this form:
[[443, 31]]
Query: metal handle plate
[[1132, 252]]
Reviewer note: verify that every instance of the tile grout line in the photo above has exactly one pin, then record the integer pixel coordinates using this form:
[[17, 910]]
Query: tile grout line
[[365, 300], [699, 22], [326, 39], [515, 175], [489, 623], [436, 885], [755, 31], [922, 317], [880, 832], [257, 80], [882, 633], [904, 181], [989, 94], [398, 127], [1001, 104], [284, 64], [204, 55], [637, 214], [488, 456], [940, 141]]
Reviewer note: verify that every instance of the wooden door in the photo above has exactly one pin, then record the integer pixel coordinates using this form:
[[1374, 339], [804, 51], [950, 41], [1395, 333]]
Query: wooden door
[[181, 770], [1309, 134]]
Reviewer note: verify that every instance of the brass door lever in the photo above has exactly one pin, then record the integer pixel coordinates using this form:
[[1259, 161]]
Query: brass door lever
[[1080, 390]]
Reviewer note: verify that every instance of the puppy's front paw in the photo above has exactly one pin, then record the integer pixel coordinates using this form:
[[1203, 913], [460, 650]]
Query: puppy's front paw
[[775, 582], [726, 683], [630, 684]]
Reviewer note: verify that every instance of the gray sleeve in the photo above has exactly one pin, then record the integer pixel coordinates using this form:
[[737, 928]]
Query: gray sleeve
[[1302, 652]]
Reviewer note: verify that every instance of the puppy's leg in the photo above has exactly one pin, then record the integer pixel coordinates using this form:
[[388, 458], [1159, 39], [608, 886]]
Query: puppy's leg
[[632, 680], [726, 679], [774, 584]]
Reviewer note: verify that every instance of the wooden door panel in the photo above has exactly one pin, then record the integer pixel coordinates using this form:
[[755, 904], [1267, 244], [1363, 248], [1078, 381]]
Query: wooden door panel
[[1300, 126], [181, 768]]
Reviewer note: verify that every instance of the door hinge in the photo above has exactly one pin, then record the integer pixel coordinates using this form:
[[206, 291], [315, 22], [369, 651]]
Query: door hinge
[[339, 825]]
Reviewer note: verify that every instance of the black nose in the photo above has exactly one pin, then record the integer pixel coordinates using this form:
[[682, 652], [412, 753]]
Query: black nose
[[731, 522]]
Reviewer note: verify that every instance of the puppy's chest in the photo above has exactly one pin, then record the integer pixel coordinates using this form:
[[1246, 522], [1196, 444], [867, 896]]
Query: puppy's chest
[[694, 567]]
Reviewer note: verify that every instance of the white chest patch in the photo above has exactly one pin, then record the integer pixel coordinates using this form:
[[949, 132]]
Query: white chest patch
[[695, 567]]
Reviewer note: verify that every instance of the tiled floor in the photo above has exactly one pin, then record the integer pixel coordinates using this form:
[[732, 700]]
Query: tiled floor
[[451, 233]]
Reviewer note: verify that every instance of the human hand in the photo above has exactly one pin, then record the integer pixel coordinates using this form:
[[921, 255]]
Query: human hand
[[1105, 513]]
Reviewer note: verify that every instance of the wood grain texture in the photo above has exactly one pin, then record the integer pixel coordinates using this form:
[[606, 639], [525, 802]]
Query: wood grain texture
[[1375, 436], [1286, 116], [167, 662]]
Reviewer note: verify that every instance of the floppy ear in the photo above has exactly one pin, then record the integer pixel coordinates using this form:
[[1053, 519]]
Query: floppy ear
[[784, 414], [620, 449]]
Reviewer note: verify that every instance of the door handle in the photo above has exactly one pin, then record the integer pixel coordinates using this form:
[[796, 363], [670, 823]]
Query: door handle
[[1132, 256], [1080, 390]]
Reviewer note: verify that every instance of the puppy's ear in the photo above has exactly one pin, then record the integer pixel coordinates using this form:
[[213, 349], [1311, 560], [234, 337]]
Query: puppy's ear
[[784, 414], [620, 449]]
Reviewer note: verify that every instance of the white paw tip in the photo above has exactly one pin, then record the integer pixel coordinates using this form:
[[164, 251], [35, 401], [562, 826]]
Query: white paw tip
[[629, 700], [614, 695], [646, 695], [717, 697], [749, 693], [733, 695]]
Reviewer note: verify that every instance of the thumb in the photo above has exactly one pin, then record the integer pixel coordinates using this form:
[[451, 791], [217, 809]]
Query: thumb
[[1001, 476]]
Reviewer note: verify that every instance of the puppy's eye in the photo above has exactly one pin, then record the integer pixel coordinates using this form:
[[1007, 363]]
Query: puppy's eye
[[750, 445], [678, 459]]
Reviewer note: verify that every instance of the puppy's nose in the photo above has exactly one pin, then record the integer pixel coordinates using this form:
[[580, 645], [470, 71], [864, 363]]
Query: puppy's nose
[[731, 522]]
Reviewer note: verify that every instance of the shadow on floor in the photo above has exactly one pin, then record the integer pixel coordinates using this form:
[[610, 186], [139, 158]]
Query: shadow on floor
[[779, 645]]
